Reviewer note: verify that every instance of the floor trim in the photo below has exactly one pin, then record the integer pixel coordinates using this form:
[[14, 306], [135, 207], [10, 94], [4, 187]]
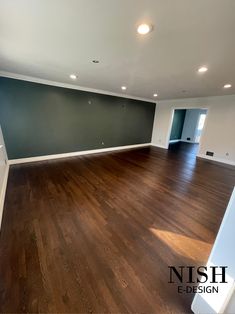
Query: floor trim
[[73, 154], [3, 192], [184, 141], [103, 150], [160, 146], [188, 141], [174, 141], [221, 160]]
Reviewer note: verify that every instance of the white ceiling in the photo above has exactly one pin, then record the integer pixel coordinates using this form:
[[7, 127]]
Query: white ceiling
[[50, 39]]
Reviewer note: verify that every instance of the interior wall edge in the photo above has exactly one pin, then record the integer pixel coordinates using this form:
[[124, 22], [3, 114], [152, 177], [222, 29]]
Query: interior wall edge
[[74, 154], [3, 192]]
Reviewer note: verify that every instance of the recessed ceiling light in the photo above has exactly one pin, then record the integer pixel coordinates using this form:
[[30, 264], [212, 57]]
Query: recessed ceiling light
[[227, 86], [202, 69], [123, 87], [73, 76], [154, 95], [144, 29], [95, 61]]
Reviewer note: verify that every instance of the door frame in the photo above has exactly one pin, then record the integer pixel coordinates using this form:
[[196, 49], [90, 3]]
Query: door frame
[[186, 108]]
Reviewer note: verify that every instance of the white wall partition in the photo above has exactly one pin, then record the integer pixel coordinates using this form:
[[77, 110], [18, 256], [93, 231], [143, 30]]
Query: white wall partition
[[3, 173], [222, 254]]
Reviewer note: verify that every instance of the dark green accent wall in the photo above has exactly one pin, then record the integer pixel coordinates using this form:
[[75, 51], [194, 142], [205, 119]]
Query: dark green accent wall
[[177, 124], [39, 119]]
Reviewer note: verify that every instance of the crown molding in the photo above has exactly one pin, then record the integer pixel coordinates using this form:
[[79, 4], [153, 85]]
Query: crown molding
[[70, 86]]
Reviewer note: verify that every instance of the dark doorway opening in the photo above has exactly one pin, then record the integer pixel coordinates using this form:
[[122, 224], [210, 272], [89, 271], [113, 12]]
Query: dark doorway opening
[[186, 130]]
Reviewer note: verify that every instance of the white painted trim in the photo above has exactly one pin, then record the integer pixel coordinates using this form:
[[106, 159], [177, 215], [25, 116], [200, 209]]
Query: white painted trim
[[174, 141], [224, 161], [185, 141], [71, 86], [3, 192], [185, 108], [159, 146], [170, 126], [191, 142], [73, 154]]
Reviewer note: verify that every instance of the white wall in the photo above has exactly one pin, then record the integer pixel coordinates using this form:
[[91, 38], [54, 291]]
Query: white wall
[[219, 130], [222, 254], [230, 309], [3, 172], [190, 124]]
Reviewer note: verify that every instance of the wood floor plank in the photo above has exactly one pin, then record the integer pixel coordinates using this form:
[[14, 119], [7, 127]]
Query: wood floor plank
[[96, 234]]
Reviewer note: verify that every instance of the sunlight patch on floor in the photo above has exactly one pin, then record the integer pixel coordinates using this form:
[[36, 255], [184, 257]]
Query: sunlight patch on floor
[[183, 245]]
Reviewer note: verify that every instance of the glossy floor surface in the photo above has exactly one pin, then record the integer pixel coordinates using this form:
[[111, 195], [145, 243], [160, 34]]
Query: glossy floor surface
[[96, 234]]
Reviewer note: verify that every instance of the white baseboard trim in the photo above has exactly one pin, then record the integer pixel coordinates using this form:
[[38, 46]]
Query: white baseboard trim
[[224, 161], [191, 142], [3, 193], [184, 141], [73, 154], [159, 146], [174, 141]]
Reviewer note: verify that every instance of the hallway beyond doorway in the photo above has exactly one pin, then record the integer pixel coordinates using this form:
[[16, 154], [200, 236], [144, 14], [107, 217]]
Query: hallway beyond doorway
[[187, 127]]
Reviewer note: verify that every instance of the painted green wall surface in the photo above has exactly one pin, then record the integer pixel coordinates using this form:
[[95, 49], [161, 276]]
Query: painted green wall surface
[[177, 124], [39, 119]]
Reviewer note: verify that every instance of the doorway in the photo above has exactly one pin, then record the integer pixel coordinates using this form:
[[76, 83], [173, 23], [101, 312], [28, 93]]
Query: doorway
[[186, 130]]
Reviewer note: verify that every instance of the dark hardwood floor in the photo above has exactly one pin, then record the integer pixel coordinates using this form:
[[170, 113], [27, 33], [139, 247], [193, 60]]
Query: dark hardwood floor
[[96, 234]]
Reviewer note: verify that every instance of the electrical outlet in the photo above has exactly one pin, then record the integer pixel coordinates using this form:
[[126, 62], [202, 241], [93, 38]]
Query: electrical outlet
[[102, 143], [227, 154]]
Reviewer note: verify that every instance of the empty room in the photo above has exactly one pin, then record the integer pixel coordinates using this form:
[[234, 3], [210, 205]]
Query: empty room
[[117, 156]]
